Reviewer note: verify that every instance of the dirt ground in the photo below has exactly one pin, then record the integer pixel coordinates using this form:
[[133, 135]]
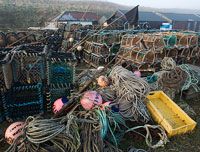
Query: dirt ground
[[189, 142]]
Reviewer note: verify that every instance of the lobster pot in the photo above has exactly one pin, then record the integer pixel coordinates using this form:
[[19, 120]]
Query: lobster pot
[[22, 101], [79, 35], [68, 35], [154, 42], [170, 41], [61, 69], [55, 92], [172, 53], [160, 55], [1, 110], [86, 57], [3, 42], [100, 49], [182, 40], [88, 46], [29, 65], [108, 38], [6, 73], [195, 52], [184, 53], [192, 40], [131, 41], [71, 27], [97, 60]]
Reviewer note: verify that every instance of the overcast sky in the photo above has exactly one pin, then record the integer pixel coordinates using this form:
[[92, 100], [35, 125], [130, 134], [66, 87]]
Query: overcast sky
[[191, 4]]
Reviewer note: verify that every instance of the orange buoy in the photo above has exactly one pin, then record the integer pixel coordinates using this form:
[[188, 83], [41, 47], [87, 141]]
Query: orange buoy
[[103, 81], [14, 131]]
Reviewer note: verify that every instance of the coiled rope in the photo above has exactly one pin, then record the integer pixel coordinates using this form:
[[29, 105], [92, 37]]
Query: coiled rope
[[168, 63], [131, 91]]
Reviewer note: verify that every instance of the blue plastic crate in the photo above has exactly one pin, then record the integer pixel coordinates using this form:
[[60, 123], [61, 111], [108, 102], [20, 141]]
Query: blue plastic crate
[[29, 64], [22, 101]]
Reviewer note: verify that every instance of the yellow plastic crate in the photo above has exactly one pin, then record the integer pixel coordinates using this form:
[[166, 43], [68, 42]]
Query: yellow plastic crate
[[168, 114]]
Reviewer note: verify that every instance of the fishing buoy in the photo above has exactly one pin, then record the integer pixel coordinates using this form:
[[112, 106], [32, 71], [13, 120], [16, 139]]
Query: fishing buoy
[[91, 99], [100, 68], [58, 104], [79, 48], [138, 73], [114, 108], [103, 81], [71, 39], [14, 131]]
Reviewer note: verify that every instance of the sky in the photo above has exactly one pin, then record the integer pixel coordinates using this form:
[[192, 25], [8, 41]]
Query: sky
[[189, 4]]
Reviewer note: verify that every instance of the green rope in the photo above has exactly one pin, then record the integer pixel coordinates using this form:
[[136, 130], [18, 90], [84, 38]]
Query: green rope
[[192, 78]]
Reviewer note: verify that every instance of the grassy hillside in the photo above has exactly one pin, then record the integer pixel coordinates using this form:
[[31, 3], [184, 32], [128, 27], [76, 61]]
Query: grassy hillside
[[25, 13]]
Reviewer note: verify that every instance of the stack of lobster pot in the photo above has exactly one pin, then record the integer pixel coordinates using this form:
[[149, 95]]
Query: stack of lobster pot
[[101, 48], [135, 55], [6, 77], [25, 98], [60, 77]]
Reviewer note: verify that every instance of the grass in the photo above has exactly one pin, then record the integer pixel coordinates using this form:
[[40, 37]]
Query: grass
[[189, 142]]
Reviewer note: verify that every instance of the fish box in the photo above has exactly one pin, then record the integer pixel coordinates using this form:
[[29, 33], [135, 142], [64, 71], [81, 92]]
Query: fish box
[[168, 114]]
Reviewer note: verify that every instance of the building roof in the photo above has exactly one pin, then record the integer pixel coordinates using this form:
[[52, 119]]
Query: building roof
[[146, 16], [150, 16], [181, 17], [76, 16]]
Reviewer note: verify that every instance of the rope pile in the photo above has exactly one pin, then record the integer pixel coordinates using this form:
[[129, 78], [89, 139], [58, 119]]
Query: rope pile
[[192, 78], [168, 63], [108, 93], [131, 92], [172, 82]]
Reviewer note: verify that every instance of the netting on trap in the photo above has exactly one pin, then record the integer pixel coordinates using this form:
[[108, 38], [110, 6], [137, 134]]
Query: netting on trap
[[170, 40], [61, 69], [154, 42], [29, 64], [79, 35], [22, 101], [6, 74], [1, 110], [138, 55], [86, 57], [131, 40], [55, 92]]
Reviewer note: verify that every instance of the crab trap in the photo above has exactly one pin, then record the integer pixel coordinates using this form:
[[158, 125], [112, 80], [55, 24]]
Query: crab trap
[[22, 101], [1, 110], [61, 69], [29, 64], [6, 75], [54, 92]]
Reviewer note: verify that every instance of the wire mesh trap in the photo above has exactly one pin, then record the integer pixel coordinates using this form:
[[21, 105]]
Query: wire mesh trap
[[22, 101]]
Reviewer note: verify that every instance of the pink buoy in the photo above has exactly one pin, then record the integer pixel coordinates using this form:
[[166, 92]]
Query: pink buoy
[[107, 103], [14, 131], [115, 108], [91, 99], [138, 73], [58, 104]]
